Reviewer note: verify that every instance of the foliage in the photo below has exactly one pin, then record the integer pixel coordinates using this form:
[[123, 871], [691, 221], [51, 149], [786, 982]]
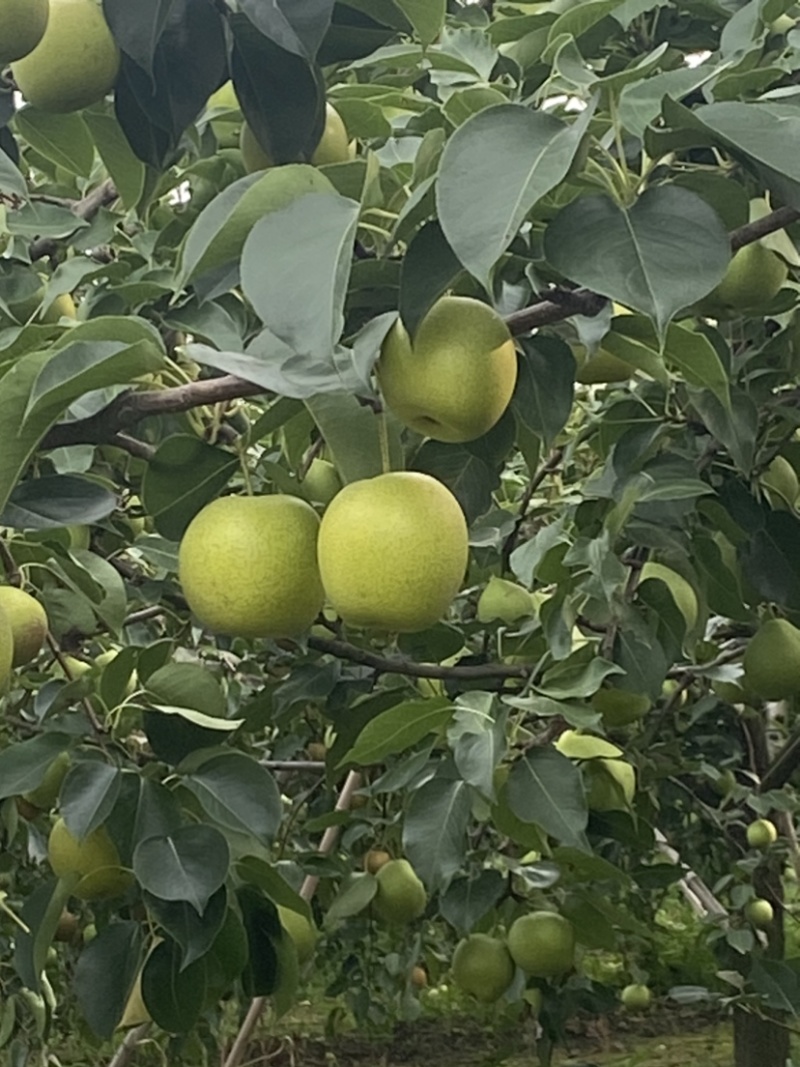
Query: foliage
[[552, 160]]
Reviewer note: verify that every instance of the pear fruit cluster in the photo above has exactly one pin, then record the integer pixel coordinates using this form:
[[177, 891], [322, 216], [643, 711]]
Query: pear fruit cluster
[[75, 61], [390, 553], [454, 379]]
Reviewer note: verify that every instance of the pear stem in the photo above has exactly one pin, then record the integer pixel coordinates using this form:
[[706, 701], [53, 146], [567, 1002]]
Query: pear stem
[[383, 437]]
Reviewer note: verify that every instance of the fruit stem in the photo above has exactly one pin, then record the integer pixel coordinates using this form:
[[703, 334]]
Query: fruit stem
[[383, 437], [248, 482]]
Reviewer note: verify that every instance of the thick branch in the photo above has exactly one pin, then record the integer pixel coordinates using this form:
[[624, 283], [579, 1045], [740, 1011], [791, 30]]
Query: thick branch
[[399, 665], [754, 231], [783, 766]]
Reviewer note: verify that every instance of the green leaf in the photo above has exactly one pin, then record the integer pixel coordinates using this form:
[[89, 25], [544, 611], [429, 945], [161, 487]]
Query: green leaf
[[771, 559], [195, 934], [478, 740], [174, 997], [184, 475], [356, 894], [189, 864], [467, 900], [260, 916], [426, 16], [57, 500], [657, 256], [351, 433], [435, 830], [105, 973], [63, 139], [89, 792], [23, 765], [544, 393], [640, 101], [126, 171], [11, 179], [310, 242], [545, 788], [398, 729], [481, 206], [429, 268], [237, 792]]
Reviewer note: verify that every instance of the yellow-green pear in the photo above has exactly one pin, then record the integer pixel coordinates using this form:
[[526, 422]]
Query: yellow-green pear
[[761, 833], [6, 649], [454, 380], [401, 896], [74, 64], [772, 660], [393, 551], [62, 307], [224, 97], [482, 966], [321, 483], [333, 146], [611, 784], [300, 930], [780, 482], [95, 859], [505, 601], [620, 707], [636, 997], [603, 368], [45, 795], [22, 26], [754, 277], [28, 623], [248, 566], [760, 912], [542, 943], [681, 591]]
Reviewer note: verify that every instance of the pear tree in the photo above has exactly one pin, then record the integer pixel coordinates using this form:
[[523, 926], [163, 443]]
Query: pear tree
[[399, 531]]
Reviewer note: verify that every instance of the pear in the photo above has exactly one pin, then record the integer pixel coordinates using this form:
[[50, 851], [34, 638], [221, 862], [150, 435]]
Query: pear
[[22, 26], [505, 601], [333, 146], [6, 649], [300, 930], [611, 784], [135, 1013], [603, 368], [375, 859], [45, 795], [681, 591], [780, 482], [321, 483], [482, 966], [619, 707], [772, 660], [754, 277], [401, 896], [95, 859], [542, 943], [393, 551], [454, 379], [248, 566], [761, 833], [759, 912], [28, 623], [636, 997], [75, 63]]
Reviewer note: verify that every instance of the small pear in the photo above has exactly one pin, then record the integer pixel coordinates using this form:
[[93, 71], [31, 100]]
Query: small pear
[[483, 966], [28, 622], [772, 660], [401, 896]]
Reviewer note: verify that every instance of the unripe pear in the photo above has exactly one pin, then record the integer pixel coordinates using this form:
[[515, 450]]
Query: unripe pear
[[401, 896], [300, 930], [752, 280], [76, 62], [759, 912], [681, 591], [248, 566], [6, 649], [780, 482], [393, 551], [483, 966], [45, 795], [28, 623], [321, 483], [542, 943], [636, 997], [22, 26], [95, 859], [603, 368], [505, 601], [772, 660], [619, 707], [454, 379], [333, 145], [761, 833]]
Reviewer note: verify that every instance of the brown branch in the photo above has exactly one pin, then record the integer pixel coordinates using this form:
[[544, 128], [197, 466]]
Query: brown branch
[[778, 773], [399, 665], [546, 468], [129, 408], [85, 209]]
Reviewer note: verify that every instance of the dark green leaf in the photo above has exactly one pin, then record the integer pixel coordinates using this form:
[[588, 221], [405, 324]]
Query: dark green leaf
[[545, 788], [189, 864], [183, 476]]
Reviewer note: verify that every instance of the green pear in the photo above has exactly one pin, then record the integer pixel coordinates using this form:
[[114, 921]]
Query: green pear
[[454, 380], [772, 660], [505, 601], [76, 62], [6, 649], [300, 930], [22, 26], [224, 98], [333, 146], [393, 551], [619, 707], [401, 896], [754, 277], [45, 795], [636, 997], [759, 912], [28, 623], [761, 833], [482, 966], [681, 591], [248, 566], [611, 784], [603, 368], [780, 482], [95, 859], [542, 943], [321, 483]]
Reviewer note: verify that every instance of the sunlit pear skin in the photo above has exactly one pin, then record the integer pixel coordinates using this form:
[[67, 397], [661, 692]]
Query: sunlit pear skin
[[772, 660], [76, 62], [682, 592], [22, 26], [6, 650], [62, 307], [392, 551], [28, 623], [482, 966], [248, 566], [761, 833], [455, 379], [619, 707], [95, 858], [224, 97], [753, 279], [401, 896], [542, 943], [300, 931], [505, 601], [333, 146]]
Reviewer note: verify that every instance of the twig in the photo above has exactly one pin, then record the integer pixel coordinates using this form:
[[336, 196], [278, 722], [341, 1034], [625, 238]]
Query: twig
[[307, 891], [86, 209], [133, 446], [754, 231], [546, 468], [124, 1054], [13, 574], [400, 665], [293, 765], [153, 612], [55, 648]]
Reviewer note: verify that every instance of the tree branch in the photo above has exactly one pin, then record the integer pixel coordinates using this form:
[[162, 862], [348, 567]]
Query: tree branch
[[754, 231], [87, 208], [399, 665]]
